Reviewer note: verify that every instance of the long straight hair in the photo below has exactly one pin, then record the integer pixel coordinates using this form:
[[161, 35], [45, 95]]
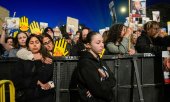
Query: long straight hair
[[43, 51]]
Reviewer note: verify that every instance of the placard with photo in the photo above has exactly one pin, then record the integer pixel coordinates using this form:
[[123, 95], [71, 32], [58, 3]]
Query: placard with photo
[[138, 8], [156, 16], [72, 25], [166, 66], [12, 22]]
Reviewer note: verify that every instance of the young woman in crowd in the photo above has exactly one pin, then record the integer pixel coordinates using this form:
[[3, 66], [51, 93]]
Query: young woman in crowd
[[48, 44], [95, 79], [33, 79], [118, 41], [76, 38], [105, 36], [50, 32], [19, 43], [6, 42], [79, 47]]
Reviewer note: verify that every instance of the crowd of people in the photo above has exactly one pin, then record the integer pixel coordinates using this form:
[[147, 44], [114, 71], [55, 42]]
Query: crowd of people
[[119, 39], [33, 73]]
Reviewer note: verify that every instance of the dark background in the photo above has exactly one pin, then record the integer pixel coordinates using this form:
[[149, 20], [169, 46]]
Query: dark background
[[92, 13]]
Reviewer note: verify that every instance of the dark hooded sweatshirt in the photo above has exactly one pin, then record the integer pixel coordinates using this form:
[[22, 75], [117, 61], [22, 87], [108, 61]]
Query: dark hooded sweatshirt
[[89, 80]]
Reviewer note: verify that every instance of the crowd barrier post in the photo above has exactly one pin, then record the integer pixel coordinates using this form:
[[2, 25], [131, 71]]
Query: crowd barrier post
[[140, 91], [11, 90]]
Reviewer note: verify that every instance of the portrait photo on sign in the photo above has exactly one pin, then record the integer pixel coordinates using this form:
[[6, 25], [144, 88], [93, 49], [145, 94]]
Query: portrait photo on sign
[[138, 8], [166, 66], [12, 22]]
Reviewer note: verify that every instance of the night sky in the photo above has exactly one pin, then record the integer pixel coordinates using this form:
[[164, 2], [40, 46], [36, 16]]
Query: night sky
[[92, 13]]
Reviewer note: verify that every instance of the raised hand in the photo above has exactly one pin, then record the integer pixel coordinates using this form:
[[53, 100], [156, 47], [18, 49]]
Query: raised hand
[[60, 48], [131, 51], [35, 28], [102, 73], [23, 24], [4, 26], [128, 33]]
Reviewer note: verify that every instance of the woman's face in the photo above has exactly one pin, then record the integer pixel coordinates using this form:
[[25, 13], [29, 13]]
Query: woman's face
[[84, 33], [22, 39], [123, 31], [48, 44], [76, 38], [137, 5], [50, 33], [10, 42], [96, 44], [34, 45]]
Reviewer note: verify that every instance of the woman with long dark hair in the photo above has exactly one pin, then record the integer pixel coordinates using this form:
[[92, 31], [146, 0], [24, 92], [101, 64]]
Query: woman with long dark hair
[[33, 79], [118, 41]]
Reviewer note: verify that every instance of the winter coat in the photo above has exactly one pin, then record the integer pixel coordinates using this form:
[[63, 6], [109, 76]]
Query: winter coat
[[90, 80]]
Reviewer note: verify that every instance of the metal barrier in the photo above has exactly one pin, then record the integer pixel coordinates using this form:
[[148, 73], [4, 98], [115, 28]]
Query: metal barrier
[[139, 77], [144, 68], [11, 90]]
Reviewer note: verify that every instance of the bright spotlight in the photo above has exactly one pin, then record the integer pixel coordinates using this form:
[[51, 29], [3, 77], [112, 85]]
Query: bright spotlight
[[123, 9]]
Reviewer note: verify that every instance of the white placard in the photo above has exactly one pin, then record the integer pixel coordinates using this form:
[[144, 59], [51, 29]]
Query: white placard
[[72, 25], [43, 25], [12, 22], [156, 16]]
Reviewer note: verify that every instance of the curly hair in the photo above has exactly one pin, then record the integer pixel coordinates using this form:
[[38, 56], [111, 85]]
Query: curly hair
[[115, 33]]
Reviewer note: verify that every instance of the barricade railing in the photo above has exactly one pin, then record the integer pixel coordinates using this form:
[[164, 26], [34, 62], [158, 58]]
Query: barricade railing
[[143, 67], [3, 83]]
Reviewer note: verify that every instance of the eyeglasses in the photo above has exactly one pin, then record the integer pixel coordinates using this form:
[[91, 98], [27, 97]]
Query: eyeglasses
[[48, 42]]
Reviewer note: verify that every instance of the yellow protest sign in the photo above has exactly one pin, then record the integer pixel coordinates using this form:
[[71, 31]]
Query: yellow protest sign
[[35, 29], [15, 34], [23, 24], [60, 48], [101, 54]]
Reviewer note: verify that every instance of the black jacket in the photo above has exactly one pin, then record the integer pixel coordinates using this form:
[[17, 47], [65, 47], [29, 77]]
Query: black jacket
[[90, 80], [146, 44], [77, 49], [25, 76]]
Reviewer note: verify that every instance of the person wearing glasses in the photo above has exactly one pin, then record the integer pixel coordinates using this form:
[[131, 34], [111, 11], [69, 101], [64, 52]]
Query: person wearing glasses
[[48, 43], [33, 79]]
